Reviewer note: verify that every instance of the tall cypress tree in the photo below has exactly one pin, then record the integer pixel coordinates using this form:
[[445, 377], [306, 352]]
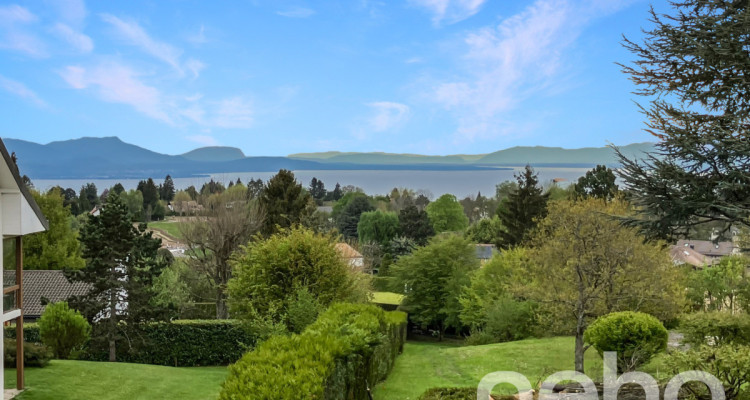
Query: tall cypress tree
[[285, 202], [695, 68], [167, 191], [518, 212], [121, 265]]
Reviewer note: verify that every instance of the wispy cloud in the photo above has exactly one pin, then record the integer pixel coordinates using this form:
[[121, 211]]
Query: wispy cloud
[[13, 34], [234, 113], [297, 12], [449, 11], [118, 83], [20, 90], [132, 33], [507, 63], [387, 115], [203, 139], [198, 38], [78, 40], [72, 12]]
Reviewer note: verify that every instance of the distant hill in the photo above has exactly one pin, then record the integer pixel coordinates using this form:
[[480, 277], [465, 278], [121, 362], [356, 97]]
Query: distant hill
[[537, 155], [557, 155], [215, 154], [110, 157]]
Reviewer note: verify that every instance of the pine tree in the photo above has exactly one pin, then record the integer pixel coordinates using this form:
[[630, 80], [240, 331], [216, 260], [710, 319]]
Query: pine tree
[[695, 66], [121, 265], [285, 202], [519, 211], [415, 224], [167, 189], [317, 189], [337, 193]]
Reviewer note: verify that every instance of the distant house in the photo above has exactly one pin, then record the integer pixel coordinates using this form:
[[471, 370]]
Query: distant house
[[485, 252], [682, 255], [713, 251], [351, 256], [42, 286]]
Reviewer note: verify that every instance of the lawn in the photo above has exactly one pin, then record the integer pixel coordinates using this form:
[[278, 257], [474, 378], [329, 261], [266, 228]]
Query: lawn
[[171, 228], [387, 298], [83, 380], [424, 365]]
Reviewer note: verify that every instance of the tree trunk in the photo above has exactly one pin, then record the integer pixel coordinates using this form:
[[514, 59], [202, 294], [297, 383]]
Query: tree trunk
[[112, 325], [221, 304], [580, 349]]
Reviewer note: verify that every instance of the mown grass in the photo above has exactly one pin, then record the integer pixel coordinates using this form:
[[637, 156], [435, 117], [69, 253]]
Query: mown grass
[[387, 298], [84, 380], [425, 365], [171, 228]]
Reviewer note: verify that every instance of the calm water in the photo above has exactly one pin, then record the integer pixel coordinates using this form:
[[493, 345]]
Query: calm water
[[459, 183]]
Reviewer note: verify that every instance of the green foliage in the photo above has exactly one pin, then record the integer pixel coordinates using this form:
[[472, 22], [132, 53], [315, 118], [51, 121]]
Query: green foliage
[[167, 190], [183, 343], [692, 66], [521, 209], [58, 247], [285, 202], [63, 329], [729, 363], [447, 215], [450, 393], [377, 226], [636, 337], [489, 307], [433, 278], [717, 328], [598, 182], [266, 272], [348, 349], [30, 333], [585, 264], [121, 266], [486, 230], [134, 201], [302, 311], [347, 219], [34, 354], [415, 224], [722, 287]]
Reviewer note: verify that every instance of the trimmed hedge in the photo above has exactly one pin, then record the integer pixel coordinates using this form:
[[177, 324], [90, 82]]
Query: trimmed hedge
[[347, 350], [450, 393], [30, 333], [716, 328], [183, 343], [34, 355]]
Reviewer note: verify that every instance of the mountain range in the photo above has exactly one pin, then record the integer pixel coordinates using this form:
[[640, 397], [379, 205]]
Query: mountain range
[[110, 157]]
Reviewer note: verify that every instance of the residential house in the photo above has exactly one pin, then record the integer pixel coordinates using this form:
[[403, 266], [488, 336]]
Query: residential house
[[485, 252], [19, 216], [684, 255], [713, 251], [352, 257], [41, 287]]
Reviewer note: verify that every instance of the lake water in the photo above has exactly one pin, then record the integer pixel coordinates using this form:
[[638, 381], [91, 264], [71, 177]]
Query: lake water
[[459, 183]]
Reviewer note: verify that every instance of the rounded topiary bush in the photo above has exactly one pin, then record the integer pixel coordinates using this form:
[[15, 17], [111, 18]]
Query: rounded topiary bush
[[63, 329], [636, 337]]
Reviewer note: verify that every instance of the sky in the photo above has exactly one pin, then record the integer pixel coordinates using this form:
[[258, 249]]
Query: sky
[[281, 77]]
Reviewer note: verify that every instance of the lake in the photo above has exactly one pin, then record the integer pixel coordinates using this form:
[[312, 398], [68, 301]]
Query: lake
[[437, 183]]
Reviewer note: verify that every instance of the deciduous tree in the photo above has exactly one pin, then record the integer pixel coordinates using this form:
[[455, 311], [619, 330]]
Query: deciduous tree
[[447, 215], [415, 224], [377, 226], [598, 182], [58, 246]]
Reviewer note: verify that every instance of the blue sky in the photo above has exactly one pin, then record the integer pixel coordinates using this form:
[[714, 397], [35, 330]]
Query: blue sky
[[280, 77]]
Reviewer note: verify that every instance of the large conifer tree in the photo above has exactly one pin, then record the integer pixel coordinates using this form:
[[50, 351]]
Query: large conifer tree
[[695, 67], [518, 212], [121, 265]]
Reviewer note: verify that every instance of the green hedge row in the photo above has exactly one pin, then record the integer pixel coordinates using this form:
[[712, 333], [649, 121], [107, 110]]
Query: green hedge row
[[450, 393], [30, 333], [347, 350], [34, 354], [716, 328], [182, 343]]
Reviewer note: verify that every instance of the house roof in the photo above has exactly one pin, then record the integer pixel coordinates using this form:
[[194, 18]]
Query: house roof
[[686, 255], [49, 284], [708, 248], [347, 251], [21, 186], [485, 251]]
